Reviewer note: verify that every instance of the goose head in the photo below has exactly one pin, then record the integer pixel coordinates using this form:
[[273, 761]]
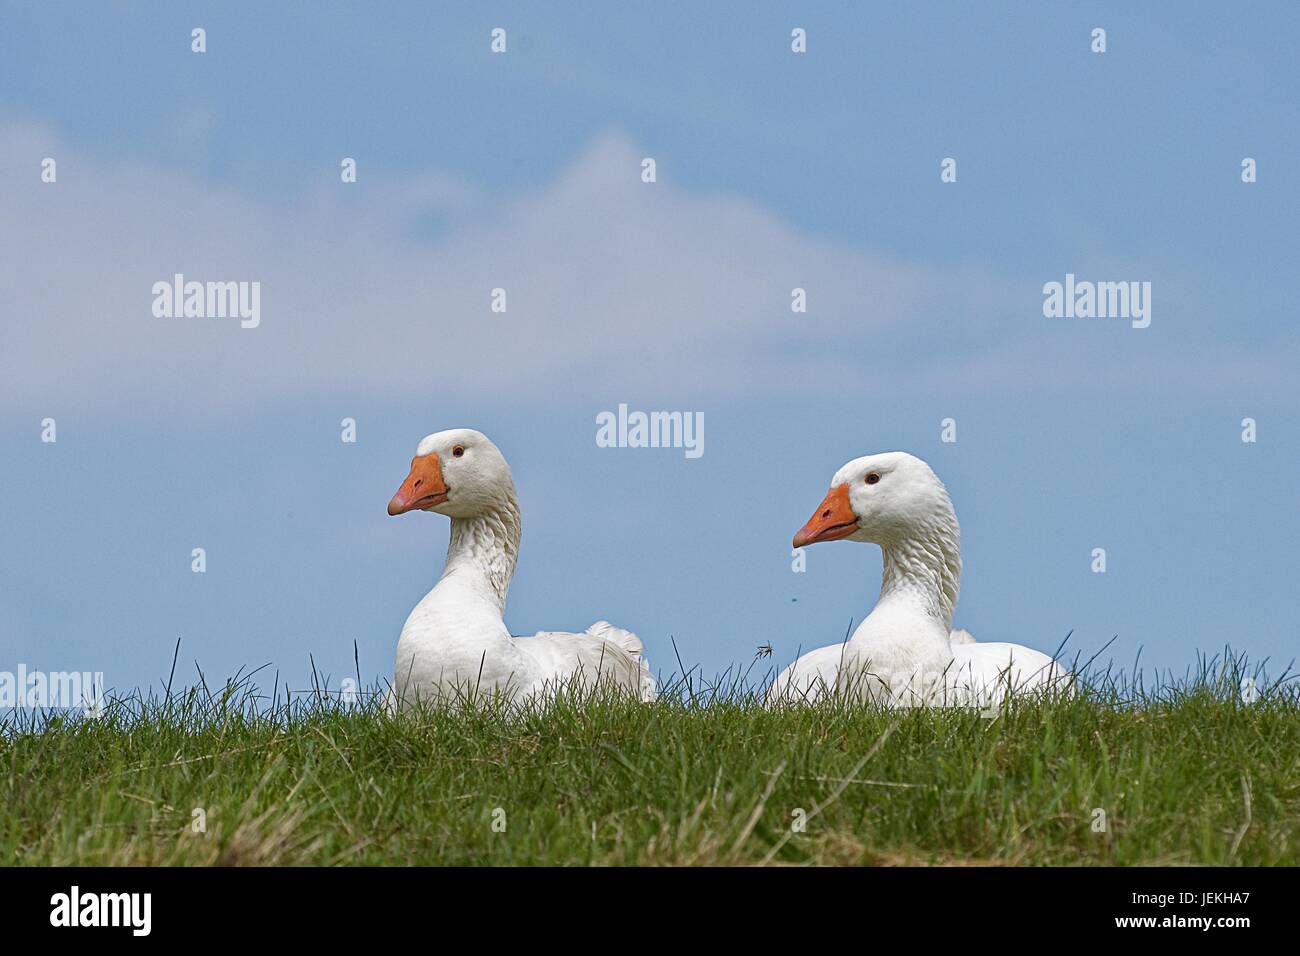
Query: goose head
[[458, 473], [884, 499]]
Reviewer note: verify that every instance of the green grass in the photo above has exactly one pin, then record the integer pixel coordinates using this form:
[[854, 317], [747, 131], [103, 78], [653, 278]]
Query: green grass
[[1186, 774]]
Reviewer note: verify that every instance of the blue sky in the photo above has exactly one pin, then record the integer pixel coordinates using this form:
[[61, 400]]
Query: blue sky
[[521, 170]]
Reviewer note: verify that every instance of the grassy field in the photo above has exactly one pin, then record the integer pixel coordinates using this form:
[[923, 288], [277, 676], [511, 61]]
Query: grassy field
[[1188, 773]]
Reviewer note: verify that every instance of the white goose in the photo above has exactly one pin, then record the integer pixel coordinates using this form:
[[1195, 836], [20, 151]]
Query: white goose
[[455, 640], [905, 652]]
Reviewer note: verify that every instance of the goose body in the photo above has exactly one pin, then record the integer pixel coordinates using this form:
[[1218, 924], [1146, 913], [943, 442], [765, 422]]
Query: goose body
[[815, 673], [455, 642], [905, 652]]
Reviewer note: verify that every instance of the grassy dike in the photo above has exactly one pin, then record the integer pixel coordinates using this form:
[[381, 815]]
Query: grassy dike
[[1186, 774]]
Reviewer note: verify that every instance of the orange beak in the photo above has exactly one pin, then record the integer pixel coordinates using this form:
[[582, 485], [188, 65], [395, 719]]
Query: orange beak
[[423, 487], [833, 519]]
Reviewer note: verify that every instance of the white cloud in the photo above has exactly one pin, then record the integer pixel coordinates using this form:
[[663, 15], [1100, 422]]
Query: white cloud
[[383, 287]]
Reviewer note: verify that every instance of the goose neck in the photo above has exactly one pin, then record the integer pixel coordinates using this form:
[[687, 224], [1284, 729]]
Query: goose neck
[[924, 571], [483, 550]]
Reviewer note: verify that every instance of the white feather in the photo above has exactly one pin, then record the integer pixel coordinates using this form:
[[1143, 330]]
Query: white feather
[[455, 641], [905, 652]]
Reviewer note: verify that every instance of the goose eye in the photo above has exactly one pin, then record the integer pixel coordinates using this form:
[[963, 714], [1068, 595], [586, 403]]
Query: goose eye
[[872, 478], [458, 451]]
